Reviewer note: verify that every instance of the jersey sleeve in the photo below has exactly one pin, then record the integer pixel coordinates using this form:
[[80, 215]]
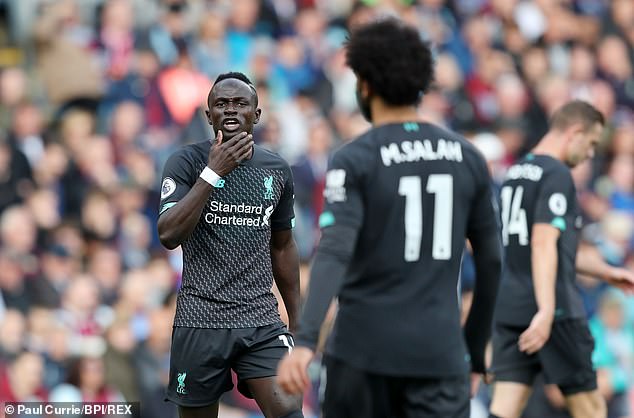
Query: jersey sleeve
[[554, 199], [284, 216], [483, 233], [484, 215], [176, 180], [340, 223], [343, 193]]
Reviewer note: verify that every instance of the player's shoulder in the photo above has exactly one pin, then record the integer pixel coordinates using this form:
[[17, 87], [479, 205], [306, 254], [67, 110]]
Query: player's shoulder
[[266, 154], [265, 158], [191, 152], [359, 145], [356, 153], [469, 151], [391, 138], [469, 155], [538, 168], [556, 171], [187, 158], [550, 164]]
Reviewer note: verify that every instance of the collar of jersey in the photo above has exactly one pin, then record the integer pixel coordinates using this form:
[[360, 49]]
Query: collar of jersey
[[248, 162]]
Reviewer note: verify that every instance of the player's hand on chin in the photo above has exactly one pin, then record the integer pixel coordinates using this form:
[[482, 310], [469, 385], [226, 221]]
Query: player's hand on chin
[[225, 156], [538, 332], [292, 372], [621, 278]]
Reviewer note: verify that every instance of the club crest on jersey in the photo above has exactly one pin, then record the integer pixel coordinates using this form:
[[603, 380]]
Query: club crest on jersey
[[268, 187], [181, 383], [168, 187]]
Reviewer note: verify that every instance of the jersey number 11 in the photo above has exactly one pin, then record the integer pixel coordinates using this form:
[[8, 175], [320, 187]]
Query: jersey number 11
[[441, 185]]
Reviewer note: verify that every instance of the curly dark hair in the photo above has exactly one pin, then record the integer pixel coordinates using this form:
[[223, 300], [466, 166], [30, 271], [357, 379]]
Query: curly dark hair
[[393, 59]]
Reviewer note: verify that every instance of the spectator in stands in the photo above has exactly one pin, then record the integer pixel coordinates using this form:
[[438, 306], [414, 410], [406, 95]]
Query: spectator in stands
[[613, 354], [57, 267], [88, 374], [21, 381], [12, 335]]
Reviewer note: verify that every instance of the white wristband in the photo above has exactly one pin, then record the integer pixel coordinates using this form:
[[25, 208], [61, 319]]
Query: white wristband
[[211, 177]]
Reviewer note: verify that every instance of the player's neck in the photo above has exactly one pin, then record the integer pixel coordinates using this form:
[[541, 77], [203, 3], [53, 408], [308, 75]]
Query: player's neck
[[550, 145], [383, 114]]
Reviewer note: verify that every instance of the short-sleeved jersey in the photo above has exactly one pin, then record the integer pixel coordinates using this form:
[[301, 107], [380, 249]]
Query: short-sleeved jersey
[[227, 271], [537, 189], [414, 191]]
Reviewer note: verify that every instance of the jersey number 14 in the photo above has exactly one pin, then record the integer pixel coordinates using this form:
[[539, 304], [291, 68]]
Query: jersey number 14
[[513, 215], [440, 185]]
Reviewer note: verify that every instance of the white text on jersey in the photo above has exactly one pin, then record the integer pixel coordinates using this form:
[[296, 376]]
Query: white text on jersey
[[525, 171], [412, 151], [234, 214], [216, 206]]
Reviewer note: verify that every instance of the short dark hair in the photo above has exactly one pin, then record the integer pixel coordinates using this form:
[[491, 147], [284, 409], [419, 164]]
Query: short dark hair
[[576, 111], [237, 76], [234, 74], [392, 58]]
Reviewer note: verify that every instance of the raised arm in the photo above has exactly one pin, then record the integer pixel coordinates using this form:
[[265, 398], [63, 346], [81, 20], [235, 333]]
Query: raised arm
[[182, 202]]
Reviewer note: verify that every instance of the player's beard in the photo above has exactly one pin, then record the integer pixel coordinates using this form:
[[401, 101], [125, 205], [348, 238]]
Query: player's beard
[[573, 159], [364, 106]]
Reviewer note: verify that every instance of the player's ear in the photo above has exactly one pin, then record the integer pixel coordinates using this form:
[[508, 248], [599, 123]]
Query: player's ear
[[575, 130], [208, 117], [364, 88], [258, 112]]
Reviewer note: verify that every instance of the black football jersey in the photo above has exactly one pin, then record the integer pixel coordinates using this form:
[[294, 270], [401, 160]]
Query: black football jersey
[[414, 191], [537, 189], [227, 271]]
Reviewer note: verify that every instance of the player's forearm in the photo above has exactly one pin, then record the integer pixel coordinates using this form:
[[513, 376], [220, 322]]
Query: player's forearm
[[326, 277], [590, 262], [285, 263], [488, 266], [544, 269], [325, 281], [178, 222]]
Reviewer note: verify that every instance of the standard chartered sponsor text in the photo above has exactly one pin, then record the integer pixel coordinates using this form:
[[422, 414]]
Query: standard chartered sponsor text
[[237, 214]]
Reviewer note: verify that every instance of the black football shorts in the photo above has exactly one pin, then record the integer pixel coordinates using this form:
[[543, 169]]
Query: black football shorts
[[565, 359], [355, 393], [201, 360]]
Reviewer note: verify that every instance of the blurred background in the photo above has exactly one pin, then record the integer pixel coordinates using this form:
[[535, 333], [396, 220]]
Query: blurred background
[[96, 94]]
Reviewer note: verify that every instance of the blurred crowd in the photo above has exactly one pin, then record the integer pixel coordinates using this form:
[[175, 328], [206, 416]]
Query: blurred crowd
[[96, 94]]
